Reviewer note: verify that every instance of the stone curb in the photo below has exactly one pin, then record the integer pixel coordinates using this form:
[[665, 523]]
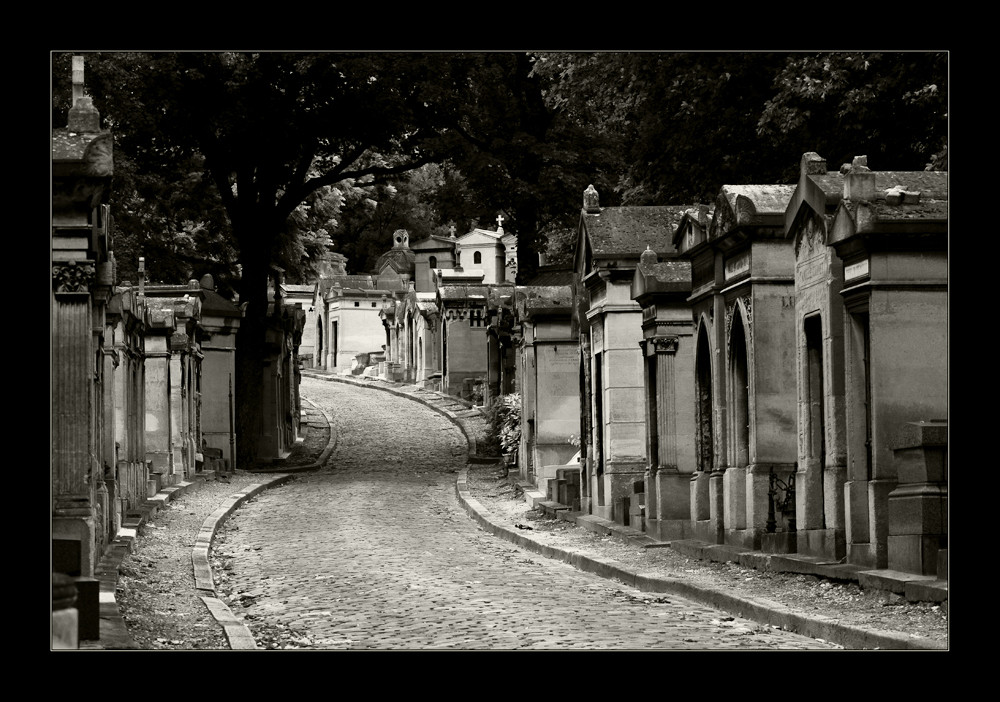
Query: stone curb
[[236, 631], [113, 631], [762, 611]]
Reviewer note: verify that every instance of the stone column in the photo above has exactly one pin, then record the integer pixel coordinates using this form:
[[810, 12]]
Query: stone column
[[159, 453], [720, 405], [178, 413], [673, 488], [73, 369]]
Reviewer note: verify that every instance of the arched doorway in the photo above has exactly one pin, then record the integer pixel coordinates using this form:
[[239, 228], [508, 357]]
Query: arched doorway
[[739, 374], [704, 435], [815, 434], [317, 361]]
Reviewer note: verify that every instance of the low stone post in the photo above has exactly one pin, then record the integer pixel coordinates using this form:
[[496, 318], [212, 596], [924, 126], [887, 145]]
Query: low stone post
[[918, 506], [64, 615]]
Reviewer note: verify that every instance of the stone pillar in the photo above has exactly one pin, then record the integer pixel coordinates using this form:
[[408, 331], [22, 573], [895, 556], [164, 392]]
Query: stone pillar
[[74, 472], [159, 453], [673, 488], [918, 506], [178, 413]]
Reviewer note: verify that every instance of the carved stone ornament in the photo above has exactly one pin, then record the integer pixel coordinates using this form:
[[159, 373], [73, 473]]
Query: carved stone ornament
[[665, 344], [810, 239], [731, 312], [73, 277], [591, 200], [746, 212], [748, 306], [724, 219]]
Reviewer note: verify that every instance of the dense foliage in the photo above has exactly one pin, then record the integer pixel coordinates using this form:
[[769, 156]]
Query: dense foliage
[[688, 123]]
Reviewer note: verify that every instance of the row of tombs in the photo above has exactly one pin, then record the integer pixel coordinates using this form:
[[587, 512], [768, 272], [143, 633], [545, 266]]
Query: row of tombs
[[143, 392], [769, 371]]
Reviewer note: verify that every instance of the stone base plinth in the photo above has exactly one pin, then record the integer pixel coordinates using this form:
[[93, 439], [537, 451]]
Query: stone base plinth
[[824, 543], [778, 542], [916, 553], [675, 529]]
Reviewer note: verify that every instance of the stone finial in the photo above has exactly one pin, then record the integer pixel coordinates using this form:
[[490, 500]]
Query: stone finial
[[142, 275], [591, 201], [207, 282], [648, 257], [400, 239], [499, 224], [812, 164], [859, 181]]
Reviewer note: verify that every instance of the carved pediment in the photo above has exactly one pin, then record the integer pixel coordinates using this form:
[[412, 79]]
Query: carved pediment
[[810, 237]]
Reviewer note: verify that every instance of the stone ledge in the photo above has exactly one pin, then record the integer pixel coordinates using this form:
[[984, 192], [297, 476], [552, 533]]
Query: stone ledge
[[891, 580], [926, 591]]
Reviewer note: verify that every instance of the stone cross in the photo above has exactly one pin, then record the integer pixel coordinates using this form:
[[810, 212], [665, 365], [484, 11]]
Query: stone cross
[[451, 228], [499, 221], [77, 78]]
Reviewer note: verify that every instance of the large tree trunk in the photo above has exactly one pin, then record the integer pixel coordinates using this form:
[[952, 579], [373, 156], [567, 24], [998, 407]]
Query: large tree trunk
[[250, 349]]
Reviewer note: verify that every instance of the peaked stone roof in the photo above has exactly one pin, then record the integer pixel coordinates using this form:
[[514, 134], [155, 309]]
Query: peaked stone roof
[[534, 299], [434, 242], [554, 275], [400, 260], [750, 206], [627, 231]]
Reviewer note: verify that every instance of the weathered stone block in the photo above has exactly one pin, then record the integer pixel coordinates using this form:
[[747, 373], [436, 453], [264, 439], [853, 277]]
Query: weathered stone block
[[673, 492], [913, 554], [672, 529], [918, 509], [700, 497], [824, 543], [779, 542], [734, 498], [921, 465]]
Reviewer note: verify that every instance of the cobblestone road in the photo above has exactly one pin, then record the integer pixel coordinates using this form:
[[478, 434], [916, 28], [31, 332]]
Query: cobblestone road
[[375, 552]]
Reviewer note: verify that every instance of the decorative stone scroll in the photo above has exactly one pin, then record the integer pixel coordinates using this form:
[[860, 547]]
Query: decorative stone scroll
[[73, 277]]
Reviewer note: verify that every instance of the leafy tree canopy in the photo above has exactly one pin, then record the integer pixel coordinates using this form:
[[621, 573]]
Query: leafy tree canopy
[[688, 123]]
